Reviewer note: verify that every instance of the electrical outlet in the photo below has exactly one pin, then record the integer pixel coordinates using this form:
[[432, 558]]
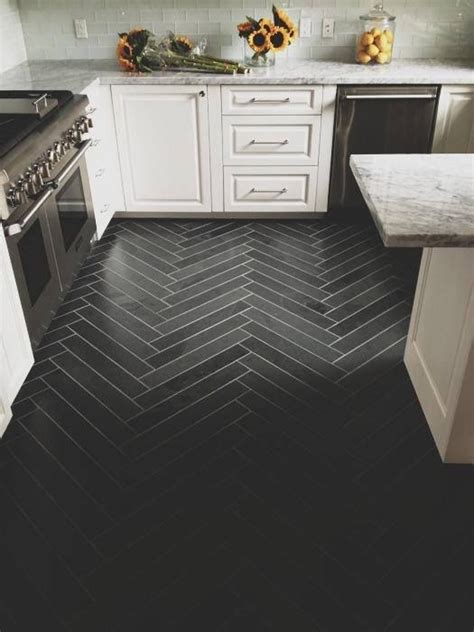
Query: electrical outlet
[[328, 27], [80, 27], [306, 27]]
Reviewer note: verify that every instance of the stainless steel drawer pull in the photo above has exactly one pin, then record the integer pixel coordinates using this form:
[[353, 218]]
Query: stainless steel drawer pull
[[255, 100], [279, 191], [269, 142]]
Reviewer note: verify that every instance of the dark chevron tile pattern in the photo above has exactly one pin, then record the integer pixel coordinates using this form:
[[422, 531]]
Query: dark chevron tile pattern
[[219, 434]]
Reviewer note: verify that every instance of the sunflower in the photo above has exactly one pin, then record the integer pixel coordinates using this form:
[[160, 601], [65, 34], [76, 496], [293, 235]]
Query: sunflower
[[279, 39], [259, 41], [245, 29], [184, 44], [125, 53], [293, 34], [283, 19], [266, 25]]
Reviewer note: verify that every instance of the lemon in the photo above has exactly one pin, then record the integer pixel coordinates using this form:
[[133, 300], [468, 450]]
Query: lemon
[[372, 50], [389, 35], [381, 42], [376, 32], [367, 39], [363, 57], [381, 58]]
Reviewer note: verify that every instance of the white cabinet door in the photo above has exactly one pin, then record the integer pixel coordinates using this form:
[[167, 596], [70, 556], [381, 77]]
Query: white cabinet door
[[16, 356], [163, 140], [102, 158], [454, 131]]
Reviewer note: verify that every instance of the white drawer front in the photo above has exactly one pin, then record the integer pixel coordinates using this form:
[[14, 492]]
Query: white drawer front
[[271, 140], [274, 189], [271, 100]]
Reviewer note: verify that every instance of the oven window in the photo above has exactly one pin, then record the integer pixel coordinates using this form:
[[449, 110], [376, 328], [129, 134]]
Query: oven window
[[34, 261], [72, 208]]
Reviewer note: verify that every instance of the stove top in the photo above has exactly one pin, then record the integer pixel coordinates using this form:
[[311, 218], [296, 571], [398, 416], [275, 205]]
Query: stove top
[[33, 110]]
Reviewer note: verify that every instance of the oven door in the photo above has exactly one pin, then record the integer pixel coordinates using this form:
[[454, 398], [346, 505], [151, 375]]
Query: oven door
[[34, 264], [71, 219]]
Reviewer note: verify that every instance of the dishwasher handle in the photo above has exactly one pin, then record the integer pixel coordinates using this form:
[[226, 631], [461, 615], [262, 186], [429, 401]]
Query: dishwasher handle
[[354, 97], [362, 93]]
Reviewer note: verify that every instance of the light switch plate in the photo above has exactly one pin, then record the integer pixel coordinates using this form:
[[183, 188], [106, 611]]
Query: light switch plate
[[80, 26], [306, 27], [328, 27]]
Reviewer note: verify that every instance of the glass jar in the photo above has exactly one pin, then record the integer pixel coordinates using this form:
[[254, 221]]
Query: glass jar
[[376, 37]]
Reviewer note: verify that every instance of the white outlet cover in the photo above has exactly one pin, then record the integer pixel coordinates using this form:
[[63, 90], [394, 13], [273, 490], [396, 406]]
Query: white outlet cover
[[306, 27], [80, 26], [328, 27]]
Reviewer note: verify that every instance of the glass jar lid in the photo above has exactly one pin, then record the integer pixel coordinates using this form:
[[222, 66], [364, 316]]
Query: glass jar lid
[[378, 13]]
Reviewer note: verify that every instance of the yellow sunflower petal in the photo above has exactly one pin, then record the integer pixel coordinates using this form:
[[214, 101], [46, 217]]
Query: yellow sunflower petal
[[279, 39], [259, 41]]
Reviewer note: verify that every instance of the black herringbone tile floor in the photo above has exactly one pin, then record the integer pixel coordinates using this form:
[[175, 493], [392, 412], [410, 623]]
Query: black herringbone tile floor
[[219, 434]]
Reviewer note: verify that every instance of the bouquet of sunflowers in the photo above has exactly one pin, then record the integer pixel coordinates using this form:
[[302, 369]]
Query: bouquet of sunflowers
[[264, 36], [140, 51]]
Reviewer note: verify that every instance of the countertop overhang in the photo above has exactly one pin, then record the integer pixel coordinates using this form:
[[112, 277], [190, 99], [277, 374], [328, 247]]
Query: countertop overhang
[[76, 75], [419, 200]]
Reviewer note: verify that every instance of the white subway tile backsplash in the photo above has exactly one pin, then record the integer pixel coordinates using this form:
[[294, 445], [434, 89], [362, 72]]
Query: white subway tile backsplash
[[12, 44], [425, 28]]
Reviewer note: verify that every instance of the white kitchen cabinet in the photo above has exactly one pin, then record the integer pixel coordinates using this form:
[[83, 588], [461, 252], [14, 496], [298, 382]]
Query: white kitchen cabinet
[[443, 373], [16, 355], [276, 140], [454, 130], [278, 100], [163, 142], [102, 158], [270, 189]]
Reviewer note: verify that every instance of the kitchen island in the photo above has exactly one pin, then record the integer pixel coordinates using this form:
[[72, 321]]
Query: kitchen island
[[428, 201]]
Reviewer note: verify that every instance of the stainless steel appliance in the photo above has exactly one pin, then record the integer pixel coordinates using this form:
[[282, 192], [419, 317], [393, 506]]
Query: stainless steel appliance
[[47, 214], [376, 120]]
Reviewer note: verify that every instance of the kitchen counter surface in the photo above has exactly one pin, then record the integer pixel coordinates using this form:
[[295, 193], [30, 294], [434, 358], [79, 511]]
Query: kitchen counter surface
[[421, 200], [76, 75]]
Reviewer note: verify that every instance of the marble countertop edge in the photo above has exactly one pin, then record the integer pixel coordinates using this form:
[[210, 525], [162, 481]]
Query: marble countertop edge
[[76, 75], [439, 214]]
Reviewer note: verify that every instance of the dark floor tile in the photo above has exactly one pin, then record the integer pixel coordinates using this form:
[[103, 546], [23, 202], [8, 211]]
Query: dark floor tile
[[219, 433]]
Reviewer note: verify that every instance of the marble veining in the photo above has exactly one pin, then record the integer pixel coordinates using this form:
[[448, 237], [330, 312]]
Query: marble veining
[[422, 200], [76, 75]]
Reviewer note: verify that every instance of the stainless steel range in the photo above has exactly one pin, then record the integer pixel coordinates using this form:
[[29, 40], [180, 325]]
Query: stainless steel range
[[45, 203]]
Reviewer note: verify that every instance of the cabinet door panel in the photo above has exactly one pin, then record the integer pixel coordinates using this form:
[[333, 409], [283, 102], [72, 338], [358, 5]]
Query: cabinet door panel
[[164, 147], [16, 356], [454, 131]]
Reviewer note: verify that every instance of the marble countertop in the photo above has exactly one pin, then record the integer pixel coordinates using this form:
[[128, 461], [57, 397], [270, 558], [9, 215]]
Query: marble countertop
[[76, 75], [420, 200]]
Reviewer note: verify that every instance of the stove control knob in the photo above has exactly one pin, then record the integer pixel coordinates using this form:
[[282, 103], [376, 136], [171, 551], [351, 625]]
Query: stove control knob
[[20, 194], [45, 168], [83, 124], [59, 149], [31, 189], [37, 175], [12, 197], [52, 156], [66, 144]]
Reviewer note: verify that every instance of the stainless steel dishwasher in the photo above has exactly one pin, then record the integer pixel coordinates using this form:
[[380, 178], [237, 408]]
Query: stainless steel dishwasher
[[376, 120]]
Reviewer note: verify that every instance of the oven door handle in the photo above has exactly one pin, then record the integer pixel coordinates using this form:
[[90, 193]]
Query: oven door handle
[[83, 147], [14, 229]]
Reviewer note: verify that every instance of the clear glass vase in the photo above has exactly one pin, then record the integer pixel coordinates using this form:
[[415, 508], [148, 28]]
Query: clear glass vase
[[260, 60]]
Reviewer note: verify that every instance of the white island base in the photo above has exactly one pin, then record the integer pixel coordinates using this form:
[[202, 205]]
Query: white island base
[[440, 354]]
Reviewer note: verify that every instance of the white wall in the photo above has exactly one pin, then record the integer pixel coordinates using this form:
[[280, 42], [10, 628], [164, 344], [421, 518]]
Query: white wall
[[425, 28], [12, 44]]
